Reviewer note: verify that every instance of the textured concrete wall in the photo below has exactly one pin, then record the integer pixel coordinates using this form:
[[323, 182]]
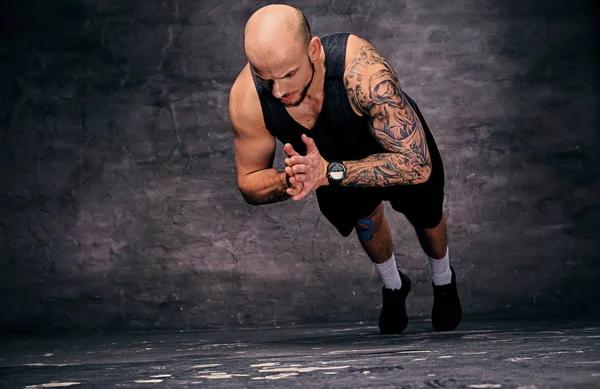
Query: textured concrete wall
[[118, 201]]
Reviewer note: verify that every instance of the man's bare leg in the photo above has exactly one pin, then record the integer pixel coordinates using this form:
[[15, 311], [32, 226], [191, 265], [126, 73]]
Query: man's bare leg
[[379, 246], [376, 239], [446, 313], [434, 241]]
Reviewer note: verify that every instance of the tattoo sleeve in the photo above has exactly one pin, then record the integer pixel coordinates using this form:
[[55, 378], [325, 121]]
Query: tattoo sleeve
[[373, 87]]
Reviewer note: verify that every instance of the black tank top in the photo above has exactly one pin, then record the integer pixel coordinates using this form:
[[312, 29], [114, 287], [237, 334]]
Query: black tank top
[[339, 133]]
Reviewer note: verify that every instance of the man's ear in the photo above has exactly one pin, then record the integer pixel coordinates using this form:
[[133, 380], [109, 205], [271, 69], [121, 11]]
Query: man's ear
[[314, 49]]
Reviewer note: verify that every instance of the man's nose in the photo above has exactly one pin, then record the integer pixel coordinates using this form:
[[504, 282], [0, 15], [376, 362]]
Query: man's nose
[[278, 90]]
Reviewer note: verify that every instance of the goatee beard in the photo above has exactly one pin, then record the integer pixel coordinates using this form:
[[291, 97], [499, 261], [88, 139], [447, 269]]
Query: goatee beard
[[304, 91]]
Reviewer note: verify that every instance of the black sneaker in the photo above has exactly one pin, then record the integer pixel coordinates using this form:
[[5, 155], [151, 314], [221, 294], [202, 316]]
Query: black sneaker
[[447, 311], [393, 318]]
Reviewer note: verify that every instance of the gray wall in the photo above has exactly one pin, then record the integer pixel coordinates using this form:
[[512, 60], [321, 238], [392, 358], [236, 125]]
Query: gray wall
[[118, 201]]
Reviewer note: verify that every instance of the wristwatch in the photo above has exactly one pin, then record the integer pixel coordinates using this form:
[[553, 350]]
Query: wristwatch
[[336, 172]]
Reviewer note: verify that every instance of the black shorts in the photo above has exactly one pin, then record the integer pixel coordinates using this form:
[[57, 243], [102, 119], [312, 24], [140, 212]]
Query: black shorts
[[422, 204]]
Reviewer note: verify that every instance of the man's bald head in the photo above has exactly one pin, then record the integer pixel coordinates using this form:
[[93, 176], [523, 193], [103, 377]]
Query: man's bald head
[[274, 29]]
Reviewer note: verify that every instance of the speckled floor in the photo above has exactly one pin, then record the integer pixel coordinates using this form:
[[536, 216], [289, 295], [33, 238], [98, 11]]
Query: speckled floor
[[494, 354]]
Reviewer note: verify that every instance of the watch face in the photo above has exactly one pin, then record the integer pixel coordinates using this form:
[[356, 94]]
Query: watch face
[[336, 171]]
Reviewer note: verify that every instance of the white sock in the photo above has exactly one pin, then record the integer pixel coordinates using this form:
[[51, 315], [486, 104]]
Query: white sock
[[389, 273], [440, 269]]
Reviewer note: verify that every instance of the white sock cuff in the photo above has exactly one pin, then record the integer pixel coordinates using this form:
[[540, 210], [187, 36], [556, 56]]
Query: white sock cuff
[[388, 265], [440, 269], [389, 273], [445, 256]]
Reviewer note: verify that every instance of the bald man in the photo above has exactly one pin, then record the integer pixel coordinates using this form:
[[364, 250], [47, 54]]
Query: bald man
[[353, 137]]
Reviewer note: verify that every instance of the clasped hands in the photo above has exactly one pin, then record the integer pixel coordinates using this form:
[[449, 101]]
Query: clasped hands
[[306, 173]]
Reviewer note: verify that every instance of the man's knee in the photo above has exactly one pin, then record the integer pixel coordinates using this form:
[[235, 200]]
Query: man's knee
[[365, 226]]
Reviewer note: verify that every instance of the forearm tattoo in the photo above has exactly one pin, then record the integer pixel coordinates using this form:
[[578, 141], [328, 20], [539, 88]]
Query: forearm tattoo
[[277, 196], [280, 192], [374, 88], [268, 188]]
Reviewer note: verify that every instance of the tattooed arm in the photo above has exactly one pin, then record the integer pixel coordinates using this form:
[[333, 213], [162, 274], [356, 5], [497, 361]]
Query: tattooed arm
[[374, 90]]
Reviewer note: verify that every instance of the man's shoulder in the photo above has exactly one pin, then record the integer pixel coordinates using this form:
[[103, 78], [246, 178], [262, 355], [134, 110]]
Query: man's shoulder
[[354, 71], [244, 104], [355, 48], [366, 70], [362, 60], [243, 88]]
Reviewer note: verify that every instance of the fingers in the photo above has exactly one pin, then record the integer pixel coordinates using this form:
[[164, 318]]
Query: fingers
[[298, 159], [297, 176], [293, 191], [296, 169], [289, 150], [299, 189], [300, 169], [310, 143], [296, 188], [298, 180], [305, 191]]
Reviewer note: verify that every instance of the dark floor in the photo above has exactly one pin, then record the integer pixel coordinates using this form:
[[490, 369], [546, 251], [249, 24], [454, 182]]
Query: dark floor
[[494, 354]]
